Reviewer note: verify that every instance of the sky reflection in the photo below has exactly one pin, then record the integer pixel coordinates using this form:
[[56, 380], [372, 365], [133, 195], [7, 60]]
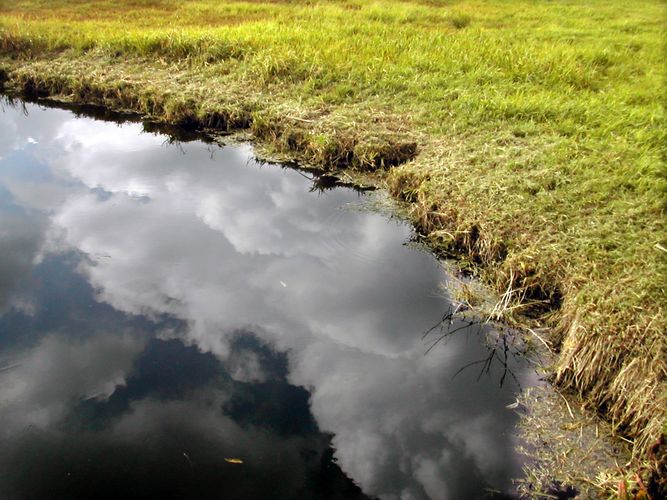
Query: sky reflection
[[297, 314]]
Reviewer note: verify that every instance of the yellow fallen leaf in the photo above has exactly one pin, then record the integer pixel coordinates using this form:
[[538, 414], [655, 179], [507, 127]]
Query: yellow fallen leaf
[[233, 460]]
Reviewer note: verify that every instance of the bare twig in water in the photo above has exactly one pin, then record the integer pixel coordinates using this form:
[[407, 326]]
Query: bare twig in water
[[499, 352]]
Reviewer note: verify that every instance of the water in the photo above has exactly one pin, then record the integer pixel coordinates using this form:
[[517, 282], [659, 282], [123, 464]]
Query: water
[[177, 320]]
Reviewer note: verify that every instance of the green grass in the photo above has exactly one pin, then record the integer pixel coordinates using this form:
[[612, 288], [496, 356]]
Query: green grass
[[539, 132]]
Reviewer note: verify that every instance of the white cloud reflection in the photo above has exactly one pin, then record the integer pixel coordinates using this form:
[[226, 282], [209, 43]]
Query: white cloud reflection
[[38, 387], [222, 245]]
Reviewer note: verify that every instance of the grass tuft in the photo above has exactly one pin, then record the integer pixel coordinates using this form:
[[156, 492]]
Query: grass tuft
[[460, 20]]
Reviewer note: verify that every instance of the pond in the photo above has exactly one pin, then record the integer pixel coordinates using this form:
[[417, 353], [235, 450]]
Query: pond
[[178, 320]]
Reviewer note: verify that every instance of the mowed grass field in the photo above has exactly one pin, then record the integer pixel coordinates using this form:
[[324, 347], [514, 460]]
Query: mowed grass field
[[528, 137]]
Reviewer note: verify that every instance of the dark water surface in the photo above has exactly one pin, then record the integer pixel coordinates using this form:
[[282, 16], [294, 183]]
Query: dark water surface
[[169, 309]]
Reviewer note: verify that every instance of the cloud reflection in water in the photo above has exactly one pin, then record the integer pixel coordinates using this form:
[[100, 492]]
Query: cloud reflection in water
[[203, 243]]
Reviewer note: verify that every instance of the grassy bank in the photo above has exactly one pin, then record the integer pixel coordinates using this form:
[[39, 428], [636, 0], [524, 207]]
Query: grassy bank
[[528, 136]]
